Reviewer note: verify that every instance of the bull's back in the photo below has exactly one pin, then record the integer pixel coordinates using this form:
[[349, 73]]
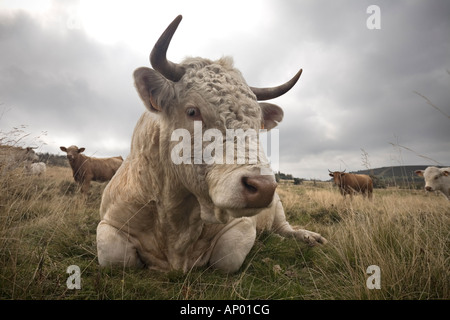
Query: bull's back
[[104, 169], [358, 182], [364, 182]]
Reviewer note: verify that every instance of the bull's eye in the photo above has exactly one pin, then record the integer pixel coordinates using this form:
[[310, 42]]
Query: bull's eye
[[193, 113]]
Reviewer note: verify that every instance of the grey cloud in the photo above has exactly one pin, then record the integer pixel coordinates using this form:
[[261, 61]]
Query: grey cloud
[[59, 81], [356, 92], [367, 80]]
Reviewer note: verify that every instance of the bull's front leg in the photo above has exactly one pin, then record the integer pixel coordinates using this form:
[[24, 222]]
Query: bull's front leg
[[233, 245], [114, 247], [85, 184], [283, 228]]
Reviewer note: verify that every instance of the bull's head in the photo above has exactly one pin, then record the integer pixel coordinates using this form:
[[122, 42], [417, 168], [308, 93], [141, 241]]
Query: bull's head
[[30, 155], [72, 152], [337, 176], [433, 177], [211, 96]]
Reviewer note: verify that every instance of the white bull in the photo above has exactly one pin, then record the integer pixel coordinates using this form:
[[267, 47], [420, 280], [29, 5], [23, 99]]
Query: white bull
[[436, 179], [36, 168], [166, 215], [14, 157]]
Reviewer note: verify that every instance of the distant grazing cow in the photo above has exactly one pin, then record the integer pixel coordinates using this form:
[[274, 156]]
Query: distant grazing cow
[[436, 179], [19, 154], [166, 215], [350, 183], [14, 157], [27, 154], [35, 169], [86, 169]]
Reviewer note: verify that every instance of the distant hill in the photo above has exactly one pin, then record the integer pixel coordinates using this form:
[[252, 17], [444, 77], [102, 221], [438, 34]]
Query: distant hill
[[7, 151], [53, 159], [397, 171], [401, 176]]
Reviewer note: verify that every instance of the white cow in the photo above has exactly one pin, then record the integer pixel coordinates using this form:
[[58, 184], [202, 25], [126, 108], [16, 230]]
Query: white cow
[[14, 157], [436, 179], [36, 168], [165, 215]]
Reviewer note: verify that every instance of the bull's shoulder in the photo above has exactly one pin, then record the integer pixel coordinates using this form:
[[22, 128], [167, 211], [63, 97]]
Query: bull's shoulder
[[363, 176], [147, 127], [137, 181], [146, 139]]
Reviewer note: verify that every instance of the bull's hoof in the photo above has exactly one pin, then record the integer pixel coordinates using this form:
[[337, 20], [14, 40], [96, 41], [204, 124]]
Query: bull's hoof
[[312, 238]]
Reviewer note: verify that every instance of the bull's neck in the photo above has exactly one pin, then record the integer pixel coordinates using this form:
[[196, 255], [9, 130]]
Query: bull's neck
[[78, 161], [152, 163], [177, 197], [175, 213]]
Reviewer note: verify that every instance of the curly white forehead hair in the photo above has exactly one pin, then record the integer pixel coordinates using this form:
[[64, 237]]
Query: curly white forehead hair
[[224, 88]]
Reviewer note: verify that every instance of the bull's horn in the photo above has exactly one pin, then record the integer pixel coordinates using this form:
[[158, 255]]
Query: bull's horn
[[168, 69], [330, 171], [274, 92]]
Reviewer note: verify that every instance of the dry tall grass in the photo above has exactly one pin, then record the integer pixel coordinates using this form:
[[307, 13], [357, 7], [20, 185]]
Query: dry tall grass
[[43, 221], [404, 232], [46, 226]]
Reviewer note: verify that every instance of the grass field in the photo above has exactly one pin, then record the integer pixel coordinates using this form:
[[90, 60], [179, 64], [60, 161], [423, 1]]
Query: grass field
[[46, 226]]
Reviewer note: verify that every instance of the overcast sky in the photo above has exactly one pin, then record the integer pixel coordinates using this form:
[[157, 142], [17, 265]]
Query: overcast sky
[[66, 73]]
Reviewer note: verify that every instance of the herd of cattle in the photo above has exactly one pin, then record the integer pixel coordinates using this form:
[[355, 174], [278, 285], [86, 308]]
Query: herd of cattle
[[86, 169], [164, 216]]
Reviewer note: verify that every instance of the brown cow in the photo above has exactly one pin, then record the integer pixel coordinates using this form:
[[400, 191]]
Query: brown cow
[[86, 168], [350, 183]]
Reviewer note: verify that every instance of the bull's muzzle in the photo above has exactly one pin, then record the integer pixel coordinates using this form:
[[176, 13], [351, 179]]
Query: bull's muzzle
[[258, 190]]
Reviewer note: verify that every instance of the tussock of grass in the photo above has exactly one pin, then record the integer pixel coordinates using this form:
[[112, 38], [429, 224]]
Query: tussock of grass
[[407, 236], [46, 226]]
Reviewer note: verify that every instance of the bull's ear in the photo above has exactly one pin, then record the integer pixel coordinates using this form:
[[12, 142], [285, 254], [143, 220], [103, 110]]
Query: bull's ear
[[80, 150], [419, 172], [331, 175], [445, 173], [63, 149], [271, 115], [152, 87]]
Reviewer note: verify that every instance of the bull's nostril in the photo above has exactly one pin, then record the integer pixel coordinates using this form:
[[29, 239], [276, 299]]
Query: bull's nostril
[[250, 188], [258, 190]]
